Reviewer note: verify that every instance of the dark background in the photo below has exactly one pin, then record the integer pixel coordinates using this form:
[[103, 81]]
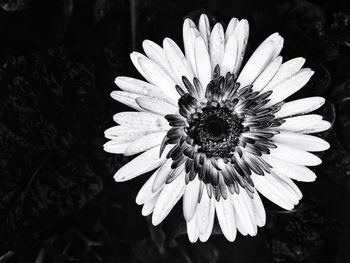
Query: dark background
[[58, 200]]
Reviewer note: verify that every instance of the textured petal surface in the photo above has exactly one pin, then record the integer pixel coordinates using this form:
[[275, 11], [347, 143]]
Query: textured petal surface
[[190, 199], [168, 197], [226, 218], [143, 163], [142, 120], [262, 56]]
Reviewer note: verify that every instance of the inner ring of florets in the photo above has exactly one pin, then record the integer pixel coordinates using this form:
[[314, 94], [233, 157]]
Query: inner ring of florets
[[216, 131]]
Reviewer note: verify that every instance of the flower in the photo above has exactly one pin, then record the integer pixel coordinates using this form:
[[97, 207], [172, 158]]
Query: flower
[[217, 135]]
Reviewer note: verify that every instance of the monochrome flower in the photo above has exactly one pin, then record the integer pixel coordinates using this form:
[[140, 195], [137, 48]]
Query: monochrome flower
[[214, 133]]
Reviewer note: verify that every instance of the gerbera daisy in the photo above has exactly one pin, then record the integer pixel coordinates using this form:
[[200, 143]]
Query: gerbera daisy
[[214, 133]]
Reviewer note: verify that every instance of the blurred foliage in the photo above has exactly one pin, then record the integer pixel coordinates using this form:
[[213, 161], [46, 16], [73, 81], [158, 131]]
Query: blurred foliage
[[58, 201]]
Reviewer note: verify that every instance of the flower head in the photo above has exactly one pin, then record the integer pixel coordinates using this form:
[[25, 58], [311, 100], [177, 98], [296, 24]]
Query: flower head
[[217, 135]]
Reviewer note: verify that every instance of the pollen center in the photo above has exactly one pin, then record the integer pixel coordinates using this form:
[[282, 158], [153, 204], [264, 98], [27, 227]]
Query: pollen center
[[216, 131], [216, 128]]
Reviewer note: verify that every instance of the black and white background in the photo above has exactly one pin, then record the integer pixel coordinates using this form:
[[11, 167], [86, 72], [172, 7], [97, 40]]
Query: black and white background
[[58, 200]]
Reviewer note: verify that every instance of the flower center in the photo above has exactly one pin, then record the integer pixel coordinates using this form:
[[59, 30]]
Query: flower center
[[216, 131], [216, 128]]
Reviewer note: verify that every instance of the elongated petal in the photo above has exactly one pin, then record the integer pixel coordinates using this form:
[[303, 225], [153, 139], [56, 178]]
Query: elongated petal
[[244, 213], [275, 190], [287, 70], [300, 106], [190, 199], [190, 33], [298, 123], [217, 45], [143, 163], [168, 197], [144, 120], [177, 60], [226, 218], [230, 28], [203, 237], [148, 207], [126, 98], [156, 53], [115, 147], [318, 127], [146, 193], [289, 86], [205, 216], [143, 88], [144, 143], [269, 72], [192, 230], [121, 134], [241, 31], [202, 62], [295, 156], [162, 175], [204, 28], [230, 55], [287, 169], [156, 106], [135, 56], [301, 141], [157, 76], [262, 56], [260, 214]]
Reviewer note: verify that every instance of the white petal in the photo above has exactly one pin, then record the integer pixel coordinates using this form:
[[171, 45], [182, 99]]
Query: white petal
[[192, 230], [298, 123], [135, 56], [156, 53], [300, 106], [162, 175], [241, 31], [146, 192], [262, 56], [204, 28], [157, 76], [319, 127], [189, 33], [115, 147], [274, 190], [148, 207], [287, 70], [143, 120], [230, 28], [205, 216], [287, 169], [301, 141], [177, 61], [126, 98], [244, 213], [202, 62], [144, 143], [124, 133], [190, 199], [143, 88], [226, 218], [217, 45], [156, 106], [230, 55], [141, 164], [168, 197], [260, 214], [263, 79], [295, 156], [293, 187], [289, 86]]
